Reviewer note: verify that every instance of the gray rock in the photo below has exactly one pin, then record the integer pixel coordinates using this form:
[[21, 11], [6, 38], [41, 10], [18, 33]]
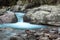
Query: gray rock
[[18, 7], [45, 14], [22, 6], [58, 39], [14, 34], [53, 36], [15, 8], [2, 11], [8, 17], [44, 38], [16, 38], [19, 2]]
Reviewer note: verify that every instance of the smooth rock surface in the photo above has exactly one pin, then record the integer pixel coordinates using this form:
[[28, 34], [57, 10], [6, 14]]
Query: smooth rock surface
[[46, 14], [8, 17], [2, 11]]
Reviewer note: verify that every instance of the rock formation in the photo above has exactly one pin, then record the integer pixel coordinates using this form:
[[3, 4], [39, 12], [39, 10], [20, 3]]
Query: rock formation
[[46, 14], [8, 17]]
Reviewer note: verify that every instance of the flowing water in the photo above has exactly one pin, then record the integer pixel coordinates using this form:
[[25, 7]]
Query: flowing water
[[20, 24]]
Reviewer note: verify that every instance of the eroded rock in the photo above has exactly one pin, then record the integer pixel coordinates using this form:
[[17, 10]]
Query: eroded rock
[[45, 14], [8, 17]]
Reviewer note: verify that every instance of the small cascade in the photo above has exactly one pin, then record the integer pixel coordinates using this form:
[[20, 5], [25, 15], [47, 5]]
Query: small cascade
[[19, 16], [20, 24]]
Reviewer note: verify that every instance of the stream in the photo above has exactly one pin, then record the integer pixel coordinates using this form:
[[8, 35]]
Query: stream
[[6, 34], [21, 24]]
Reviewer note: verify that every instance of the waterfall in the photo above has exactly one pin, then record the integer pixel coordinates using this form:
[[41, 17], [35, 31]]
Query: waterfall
[[20, 24], [19, 16]]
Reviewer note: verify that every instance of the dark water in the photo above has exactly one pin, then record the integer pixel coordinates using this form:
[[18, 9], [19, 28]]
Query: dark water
[[20, 24]]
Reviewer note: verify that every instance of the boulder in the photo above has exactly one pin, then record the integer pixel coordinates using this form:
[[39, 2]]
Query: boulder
[[8, 17], [58, 39], [44, 38], [15, 8], [46, 14], [19, 2], [2, 11], [16, 38], [21, 6]]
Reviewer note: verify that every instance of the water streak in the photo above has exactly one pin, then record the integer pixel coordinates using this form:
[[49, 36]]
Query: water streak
[[20, 24]]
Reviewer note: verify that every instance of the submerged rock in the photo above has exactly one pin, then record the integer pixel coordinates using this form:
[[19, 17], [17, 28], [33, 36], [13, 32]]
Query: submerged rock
[[45, 14]]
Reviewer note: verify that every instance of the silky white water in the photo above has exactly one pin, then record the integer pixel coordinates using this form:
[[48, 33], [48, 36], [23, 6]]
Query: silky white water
[[20, 24]]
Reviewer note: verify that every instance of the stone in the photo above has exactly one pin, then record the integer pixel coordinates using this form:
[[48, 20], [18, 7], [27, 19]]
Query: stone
[[52, 36], [44, 38], [2, 11], [45, 14], [58, 39], [15, 8], [54, 31], [19, 2], [12, 34], [8, 17], [13, 38], [17, 37]]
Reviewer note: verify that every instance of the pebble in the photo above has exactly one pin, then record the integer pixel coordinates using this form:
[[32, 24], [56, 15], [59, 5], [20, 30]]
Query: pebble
[[38, 34]]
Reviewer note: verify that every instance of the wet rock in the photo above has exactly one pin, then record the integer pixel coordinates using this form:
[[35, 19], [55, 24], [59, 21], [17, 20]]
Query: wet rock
[[13, 38], [19, 7], [2, 11], [59, 33], [30, 35], [16, 38], [8, 17], [19, 2], [22, 6], [44, 38], [1, 30], [38, 34], [46, 30], [52, 36], [58, 39], [54, 31], [45, 14], [16, 8]]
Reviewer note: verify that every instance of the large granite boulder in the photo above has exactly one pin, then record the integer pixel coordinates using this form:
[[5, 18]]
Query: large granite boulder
[[8, 17], [46, 14]]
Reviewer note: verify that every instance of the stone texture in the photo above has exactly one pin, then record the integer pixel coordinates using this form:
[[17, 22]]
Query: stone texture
[[37, 34], [8, 17], [46, 14], [2, 11]]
